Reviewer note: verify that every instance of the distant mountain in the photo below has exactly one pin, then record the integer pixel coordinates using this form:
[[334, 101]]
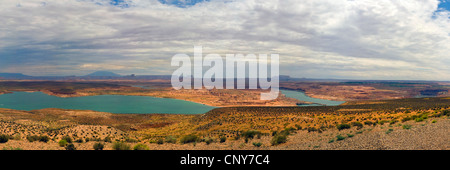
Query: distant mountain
[[104, 74], [14, 76]]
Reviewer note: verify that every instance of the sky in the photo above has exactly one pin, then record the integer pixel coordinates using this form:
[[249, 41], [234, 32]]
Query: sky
[[340, 39]]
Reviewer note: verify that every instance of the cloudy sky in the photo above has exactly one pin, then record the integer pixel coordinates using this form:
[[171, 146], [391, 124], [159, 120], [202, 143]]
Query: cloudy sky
[[354, 39]]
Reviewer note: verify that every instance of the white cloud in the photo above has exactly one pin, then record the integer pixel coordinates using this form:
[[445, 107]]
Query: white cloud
[[386, 39]]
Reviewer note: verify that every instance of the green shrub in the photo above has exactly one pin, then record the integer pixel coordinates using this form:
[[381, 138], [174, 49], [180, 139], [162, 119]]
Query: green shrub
[[339, 137], [121, 146], [406, 119], [389, 131], [98, 146], [369, 123], [343, 126], [44, 139], [4, 138], [33, 138], [331, 141], [279, 139], [382, 122], [446, 112], [311, 129], [70, 147], [359, 125], [250, 134], [160, 141], [171, 139], [107, 139], [62, 143], [209, 141], [418, 119], [223, 139], [434, 121], [406, 126], [350, 135], [79, 140], [68, 139], [140, 146], [189, 139], [393, 121], [257, 144]]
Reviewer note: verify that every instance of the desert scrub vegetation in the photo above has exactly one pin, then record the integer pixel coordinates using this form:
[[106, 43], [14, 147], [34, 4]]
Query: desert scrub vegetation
[[171, 139], [4, 138], [189, 139], [140, 146], [340, 137], [343, 126], [280, 138], [70, 147], [250, 134], [41, 138], [98, 146], [121, 146], [257, 144], [406, 126]]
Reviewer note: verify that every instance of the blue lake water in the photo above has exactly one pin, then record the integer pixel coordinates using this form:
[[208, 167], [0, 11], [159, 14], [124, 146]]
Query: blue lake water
[[104, 103], [303, 97]]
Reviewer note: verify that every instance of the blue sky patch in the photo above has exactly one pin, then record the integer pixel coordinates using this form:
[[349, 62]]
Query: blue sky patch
[[444, 5], [182, 3]]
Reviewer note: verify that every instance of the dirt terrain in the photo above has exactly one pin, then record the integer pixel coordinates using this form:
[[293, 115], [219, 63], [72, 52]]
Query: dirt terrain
[[391, 124], [360, 90]]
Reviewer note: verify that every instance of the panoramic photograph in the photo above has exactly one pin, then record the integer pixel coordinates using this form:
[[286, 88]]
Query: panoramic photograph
[[246, 75]]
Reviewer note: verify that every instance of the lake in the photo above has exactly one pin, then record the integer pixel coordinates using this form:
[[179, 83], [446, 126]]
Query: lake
[[103, 103], [303, 97]]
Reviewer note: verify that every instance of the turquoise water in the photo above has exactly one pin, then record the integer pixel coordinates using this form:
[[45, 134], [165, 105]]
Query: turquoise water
[[103, 103], [303, 97]]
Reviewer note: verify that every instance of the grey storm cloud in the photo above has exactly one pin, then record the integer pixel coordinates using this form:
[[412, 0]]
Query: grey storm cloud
[[386, 39]]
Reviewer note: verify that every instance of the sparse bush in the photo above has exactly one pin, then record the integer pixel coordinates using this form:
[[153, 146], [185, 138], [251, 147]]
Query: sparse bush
[[223, 139], [62, 143], [107, 139], [406, 119], [279, 139], [368, 123], [389, 131], [250, 134], [171, 139], [4, 138], [359, 125], [257, 144], [311, 129], [419, 119], [44, 139], [140, 146], [79, 140], [382, 122], [406, 126], [339, 137], [343, 126], [189, 139], [393, 121], [33, 138], [121, 146], [434, 121], [298, 127], [209, 141], [160, 141], [68, 139], [98, 146], [70, 147]]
